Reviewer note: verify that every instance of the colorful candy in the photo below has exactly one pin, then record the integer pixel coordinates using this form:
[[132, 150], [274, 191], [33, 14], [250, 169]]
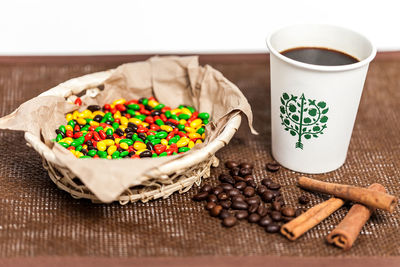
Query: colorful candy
[[131, 129]]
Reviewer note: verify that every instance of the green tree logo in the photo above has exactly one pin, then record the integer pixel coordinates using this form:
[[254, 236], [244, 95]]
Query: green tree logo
[[303, 117]]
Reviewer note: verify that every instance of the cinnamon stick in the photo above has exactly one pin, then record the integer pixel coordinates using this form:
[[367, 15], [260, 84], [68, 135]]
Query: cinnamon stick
[[349, 228], [368, 197], [298, 226]]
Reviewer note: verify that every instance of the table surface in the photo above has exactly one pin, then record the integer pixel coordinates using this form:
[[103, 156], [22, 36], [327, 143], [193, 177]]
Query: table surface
[[39, 220]]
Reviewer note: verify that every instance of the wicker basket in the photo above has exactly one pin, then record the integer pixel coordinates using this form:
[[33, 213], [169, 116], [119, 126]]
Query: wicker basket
[[178, 175]]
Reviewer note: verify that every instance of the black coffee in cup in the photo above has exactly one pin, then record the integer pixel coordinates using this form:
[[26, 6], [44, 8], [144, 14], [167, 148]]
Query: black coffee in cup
[[319, 56]]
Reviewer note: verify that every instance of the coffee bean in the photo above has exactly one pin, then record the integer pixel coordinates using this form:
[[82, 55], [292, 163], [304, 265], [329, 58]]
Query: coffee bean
[[261, 189], [303, 199], [222, 196], [238, 198], [230, 164], [226, 204], [245, 171], [240, 185], [266, 181], [217, 190], [298, 212], [253, 200], [242, 214], [288, 211], [262, 210], [233, 192], [272, 228], [239, 205], [276, 205], [229, 221], [224, 214], [276, 216], [226, 186], [265, 221], [206, 188], [253, 208], [238, 179], [252, 183], [210, 205], [249, 191], [274, 186], [287, 219], [200, 196], [268, 196], [226, 178], [234, 171], [216, 210], [248, 178], [212, 198], [276, 193], [253, 218], [246, 165], [273, 166]]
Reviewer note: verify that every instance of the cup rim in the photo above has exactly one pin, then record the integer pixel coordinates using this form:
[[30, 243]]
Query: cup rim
[[308, 66]]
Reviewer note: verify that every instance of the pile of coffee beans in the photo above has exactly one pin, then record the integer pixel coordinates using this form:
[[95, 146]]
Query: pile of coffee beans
[[239, 197]]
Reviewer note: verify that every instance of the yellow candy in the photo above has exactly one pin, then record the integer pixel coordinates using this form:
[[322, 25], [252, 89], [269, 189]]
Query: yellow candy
[[164, 142], [182, 121], [183, 142], [198, 141], [191, 144], [194, 135], [108, 142], [190, 130], [152, 103], [68, 117], [68, 127], [73, 152], [137, 113], [94, 123], [117, 140], [81, 115], [176, 111], [84, 146], [124, 121], [101, 146], [75, 114], [67, 140], [81, 121], [166, 128], [186, 111], [111, 150], [79, 154], [108, 157], [117, 115], [122, 128], [139, 145], [196, 123], [203, 136], [119, 101], [140, 151], [124, 146], [86, 113], [144, 124], [135, 121], [97, 112]]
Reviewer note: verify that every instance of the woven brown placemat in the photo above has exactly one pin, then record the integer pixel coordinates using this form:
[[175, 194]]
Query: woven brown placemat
[[37, 219]]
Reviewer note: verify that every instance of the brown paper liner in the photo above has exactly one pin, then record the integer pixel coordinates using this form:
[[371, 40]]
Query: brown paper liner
[[368, 197], [297, 227], [349, 228]]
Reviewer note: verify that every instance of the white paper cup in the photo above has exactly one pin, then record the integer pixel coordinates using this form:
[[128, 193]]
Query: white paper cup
[[324, 99]]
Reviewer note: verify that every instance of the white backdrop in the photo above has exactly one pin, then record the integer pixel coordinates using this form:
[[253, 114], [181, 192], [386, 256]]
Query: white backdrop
[[150, 26]]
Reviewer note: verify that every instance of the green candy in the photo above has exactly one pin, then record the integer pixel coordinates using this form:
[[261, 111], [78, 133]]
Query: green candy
[[181, 106], [80, 140], [59, 137], [150, 137], [183, 149], [174, 117], [133, 106], [168, 114], [99, 128], [103, 120], [85, 157], [184, 116], [71, 123], [75, 143], [155, 141], [115, 155], [85, 128], [128, 141], [201, 130], [159, 122], [88, 120], [159, 106], [191, 109], [109, 131], [108, 116], [145, 101], [161, 134], [115, 125], [174, 139], [163, 154], [174, 153], [63, 144], [124, 154], [134, 137], [154, 155], [205, 122], [62, 128], [92, 152], [140, 117], [131, 112], [204, 116], [78, 148], [102, 154], [181, 127]]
